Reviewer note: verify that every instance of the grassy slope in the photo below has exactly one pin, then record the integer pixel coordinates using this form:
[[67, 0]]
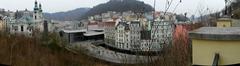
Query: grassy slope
[[30, 52]]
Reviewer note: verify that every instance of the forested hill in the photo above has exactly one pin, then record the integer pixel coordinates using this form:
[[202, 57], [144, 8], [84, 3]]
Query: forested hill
[[119, 6], [71, 15]]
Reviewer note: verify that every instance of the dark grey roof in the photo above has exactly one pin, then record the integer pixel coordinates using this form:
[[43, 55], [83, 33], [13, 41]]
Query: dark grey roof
[[20, 14], [127, 27], [122, 23], [214, 33]]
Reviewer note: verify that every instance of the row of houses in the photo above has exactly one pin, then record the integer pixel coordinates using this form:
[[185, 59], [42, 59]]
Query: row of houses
[[136, 32], [127, 30]]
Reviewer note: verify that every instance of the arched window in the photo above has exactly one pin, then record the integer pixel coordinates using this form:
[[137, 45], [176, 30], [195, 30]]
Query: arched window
[[22, 28]]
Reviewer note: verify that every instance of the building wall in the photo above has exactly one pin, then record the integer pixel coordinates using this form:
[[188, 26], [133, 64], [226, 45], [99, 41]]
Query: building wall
[[20, 28], [204, 50], [135, 36], [224, 24], [109, 35], [146, 45], [235, 23], [128, 36], [1, 25], [120, 40], [161, 34]]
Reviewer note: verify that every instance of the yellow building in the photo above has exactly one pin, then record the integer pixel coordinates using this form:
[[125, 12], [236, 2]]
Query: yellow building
[[2, 24], [224, 22], [216, 46]]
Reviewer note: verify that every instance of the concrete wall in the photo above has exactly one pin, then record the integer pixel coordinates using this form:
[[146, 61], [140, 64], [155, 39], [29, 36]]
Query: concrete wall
[[203, 52]]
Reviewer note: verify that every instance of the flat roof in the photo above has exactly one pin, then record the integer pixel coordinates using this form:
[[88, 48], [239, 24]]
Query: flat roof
[[216, 33], [74, 31], [224, 19], [92, 33]]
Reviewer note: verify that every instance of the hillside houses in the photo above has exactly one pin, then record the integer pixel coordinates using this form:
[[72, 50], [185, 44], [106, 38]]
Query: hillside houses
[[135, 31]]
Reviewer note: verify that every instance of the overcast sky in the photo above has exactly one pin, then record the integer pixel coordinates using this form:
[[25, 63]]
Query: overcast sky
[[189, 6]]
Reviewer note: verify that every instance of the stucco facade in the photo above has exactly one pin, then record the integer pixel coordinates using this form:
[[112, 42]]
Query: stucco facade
[[224, 22], [2, 24], [204, 51], [209, 41], [109, 35]]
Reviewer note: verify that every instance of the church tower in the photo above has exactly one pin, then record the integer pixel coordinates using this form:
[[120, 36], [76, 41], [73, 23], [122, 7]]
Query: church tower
[[37, 14]]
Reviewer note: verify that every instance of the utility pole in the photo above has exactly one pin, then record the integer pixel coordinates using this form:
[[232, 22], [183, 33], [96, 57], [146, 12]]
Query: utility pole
[[153, 20], [226, 8]]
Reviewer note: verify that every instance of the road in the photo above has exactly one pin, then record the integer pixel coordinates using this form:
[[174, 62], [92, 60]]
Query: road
[[108, 55]]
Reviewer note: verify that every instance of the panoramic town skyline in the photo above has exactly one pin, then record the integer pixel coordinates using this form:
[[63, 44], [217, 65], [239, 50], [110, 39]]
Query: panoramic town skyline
[[51, 6], [119, 33]]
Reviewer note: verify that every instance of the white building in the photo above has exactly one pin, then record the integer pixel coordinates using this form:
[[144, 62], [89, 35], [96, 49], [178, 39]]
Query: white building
[[161, 34], [135, 35], [140, 34], [161, 31], [109, 35], [120, 35], [21, 23], [26, 22], [128, 35]]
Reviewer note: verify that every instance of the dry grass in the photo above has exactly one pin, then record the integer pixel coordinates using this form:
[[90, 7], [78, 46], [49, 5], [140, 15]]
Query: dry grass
[[24, 51]]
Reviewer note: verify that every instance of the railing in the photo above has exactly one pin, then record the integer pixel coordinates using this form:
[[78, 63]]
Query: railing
[[216, 59]]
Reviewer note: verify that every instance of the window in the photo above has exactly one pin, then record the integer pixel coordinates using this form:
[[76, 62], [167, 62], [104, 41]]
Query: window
[[22, 28], [35, 17], [224, 25]]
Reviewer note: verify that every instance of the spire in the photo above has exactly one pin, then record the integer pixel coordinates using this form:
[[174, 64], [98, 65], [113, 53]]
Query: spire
[[36, 5], [40, 7]]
